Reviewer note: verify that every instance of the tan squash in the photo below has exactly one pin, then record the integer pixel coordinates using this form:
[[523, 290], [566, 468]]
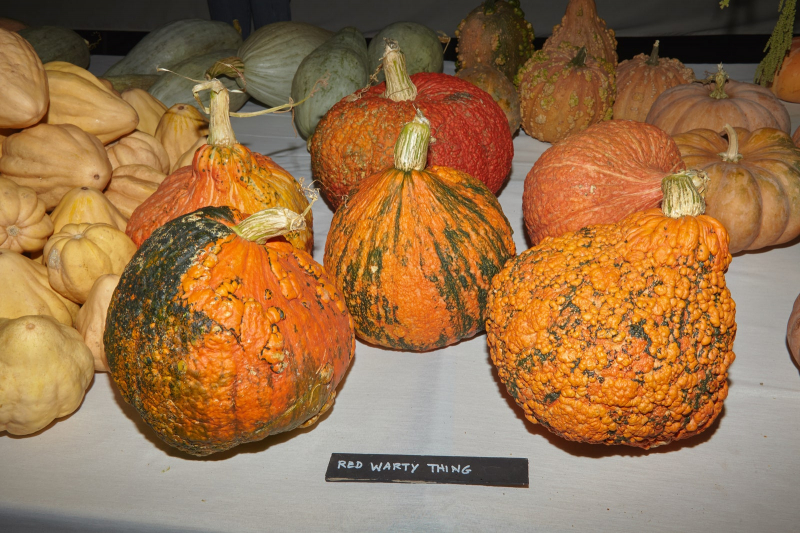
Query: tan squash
[[91, 319], [131, 185], [110, 86], [148, 107], [30, 293], [23, 83], [188, 156], [179, 129], [793, 331], [85, 205], [24, 224], [78, 254], [138, 148], [65, 66], [51, 159], [76, 100]]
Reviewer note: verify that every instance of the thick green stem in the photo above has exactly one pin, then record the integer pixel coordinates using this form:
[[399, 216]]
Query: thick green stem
[[270, 223], [732, 155], [683, 193], [580, 58], [720, 78], [411, 148], [399, 87], [653, 61]]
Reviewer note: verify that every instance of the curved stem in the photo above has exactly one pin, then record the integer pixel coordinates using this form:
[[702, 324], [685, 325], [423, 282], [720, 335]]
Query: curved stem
[[580, 58], [411, 149], [720, 78], [269, 223], [732, 155], [653, 61], [220, 131], [683, 193], [399, 86], [233, 67]]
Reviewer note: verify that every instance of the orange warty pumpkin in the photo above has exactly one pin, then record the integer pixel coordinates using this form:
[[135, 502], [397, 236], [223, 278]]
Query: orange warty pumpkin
[[414, 250], [581, 26], [620, 333], [218, 340], [223, 172], [597, 176]]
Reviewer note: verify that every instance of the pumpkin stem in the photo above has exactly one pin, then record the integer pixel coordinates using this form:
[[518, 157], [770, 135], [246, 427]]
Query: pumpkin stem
[[411, 149], [683, 193], [580, 58], [220, 131], [269, 223], [232, 67], [732, 155], [653, 61], [720, 78], [399, 87]]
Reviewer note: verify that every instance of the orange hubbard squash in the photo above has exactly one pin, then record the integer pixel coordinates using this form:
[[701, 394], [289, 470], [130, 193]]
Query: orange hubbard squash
[[223, 172], [620, 333], [235, 340], [414, 250]]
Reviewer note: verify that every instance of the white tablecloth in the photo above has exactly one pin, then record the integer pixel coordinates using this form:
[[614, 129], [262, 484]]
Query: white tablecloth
[[103, 469]]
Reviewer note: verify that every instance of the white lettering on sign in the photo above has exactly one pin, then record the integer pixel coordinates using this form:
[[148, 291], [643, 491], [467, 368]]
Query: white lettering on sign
[[349, 464], [456, 469], [392, 466]]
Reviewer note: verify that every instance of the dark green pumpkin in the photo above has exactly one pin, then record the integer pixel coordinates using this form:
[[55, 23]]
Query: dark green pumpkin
[[421, 45], [54, 43]]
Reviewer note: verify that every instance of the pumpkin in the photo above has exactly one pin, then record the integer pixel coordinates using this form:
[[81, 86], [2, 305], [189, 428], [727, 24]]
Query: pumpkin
[[755, 183], [24, 224], [78, 254], [716, 102], [499, 88], [793, 331], [642, 79], [148, 108], [131, 185], [620, 333], [27, 290], [423, 49], [269, 58], [168, 45], [495, 34], [46, 371], [188, 156], [86, 205], [239, 340], [75, 100], [54, 43], [23, 83], [178, 129], [785, 83], [175, 87], [581, 26], [51, 159], [597, 176], [335, 69], [356, 138], [223, 172], [563, 91], [414, 250], [91, 319], [138, 148]]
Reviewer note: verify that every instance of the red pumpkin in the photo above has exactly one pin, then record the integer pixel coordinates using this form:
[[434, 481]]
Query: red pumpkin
[[356, 137]]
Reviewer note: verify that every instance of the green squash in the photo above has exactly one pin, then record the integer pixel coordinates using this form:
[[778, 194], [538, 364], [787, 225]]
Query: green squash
[[270, 56], [175, 42], [420, 44], [342, 61], [53, 43], [171, 89]]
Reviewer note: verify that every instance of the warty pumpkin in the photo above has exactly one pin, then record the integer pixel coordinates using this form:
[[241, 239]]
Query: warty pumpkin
[[356, 137], [564, 90], [24, 224], [23, 83], [138, 148], [236, 340], [581, 26], [223, 172], [499, 87], [51, 159], [755, 182], [148, 108], [620, 333], [414, 250], [86, 205], [597, 176], [642, 79], [131, 185], [178, 129], [717, 101]]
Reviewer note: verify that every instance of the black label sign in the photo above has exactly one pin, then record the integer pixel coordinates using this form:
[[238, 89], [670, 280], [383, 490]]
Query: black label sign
[[375, 468]]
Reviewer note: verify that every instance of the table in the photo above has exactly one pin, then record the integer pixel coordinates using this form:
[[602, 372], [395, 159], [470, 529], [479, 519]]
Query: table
[[103, 469]]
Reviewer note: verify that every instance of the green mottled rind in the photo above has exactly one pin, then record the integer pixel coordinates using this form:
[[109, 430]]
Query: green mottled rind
[[420, 44], [53, 43]]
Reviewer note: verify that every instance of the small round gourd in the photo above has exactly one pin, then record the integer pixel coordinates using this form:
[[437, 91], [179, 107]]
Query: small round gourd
[[24, 224]]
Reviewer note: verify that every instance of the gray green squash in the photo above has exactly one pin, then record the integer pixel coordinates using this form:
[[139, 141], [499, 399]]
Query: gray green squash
[[54, 43], [421, 45]]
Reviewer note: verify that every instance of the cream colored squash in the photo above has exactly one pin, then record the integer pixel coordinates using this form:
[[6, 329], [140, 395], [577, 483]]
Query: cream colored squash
[[131, 185], [46, 369], [76, 100], [91, 319], [30, 292], [24, 224], [80, 253], [188, 156], [179, 129], [138, 148], [52, 159], [23, 83], [65, 66], [148, 107], [85, 205]]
